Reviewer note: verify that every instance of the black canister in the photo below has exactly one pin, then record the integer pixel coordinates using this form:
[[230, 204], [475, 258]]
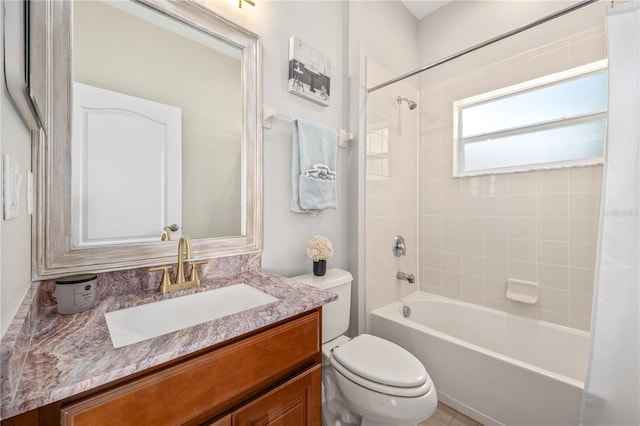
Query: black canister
[[76, 293]]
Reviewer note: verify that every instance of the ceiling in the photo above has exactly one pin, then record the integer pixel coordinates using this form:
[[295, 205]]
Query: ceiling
[[421, 8]]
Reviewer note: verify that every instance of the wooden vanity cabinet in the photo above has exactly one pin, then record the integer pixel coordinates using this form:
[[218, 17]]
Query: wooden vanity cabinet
[[272, 377]]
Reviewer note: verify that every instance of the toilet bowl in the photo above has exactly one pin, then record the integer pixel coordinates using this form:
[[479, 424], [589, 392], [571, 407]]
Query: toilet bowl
[[378, 381], [381, 381]]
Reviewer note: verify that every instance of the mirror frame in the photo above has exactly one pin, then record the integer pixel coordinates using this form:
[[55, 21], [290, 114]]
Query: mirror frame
[[20, 49], [53, 251]]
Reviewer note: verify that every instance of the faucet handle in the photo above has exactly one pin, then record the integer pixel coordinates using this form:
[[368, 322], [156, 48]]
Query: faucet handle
[[399, 248], [194, 270], [165, 282]]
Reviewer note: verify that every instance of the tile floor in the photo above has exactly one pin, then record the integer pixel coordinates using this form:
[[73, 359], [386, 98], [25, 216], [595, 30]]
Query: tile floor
[[447, 416]]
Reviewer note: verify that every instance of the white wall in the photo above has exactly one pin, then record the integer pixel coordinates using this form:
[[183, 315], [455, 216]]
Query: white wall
[[15, 247], [460, 254], [322, 25], [391, 190], [389, 37], [389, 42], [465, 23], [385, 32], [538, 226]]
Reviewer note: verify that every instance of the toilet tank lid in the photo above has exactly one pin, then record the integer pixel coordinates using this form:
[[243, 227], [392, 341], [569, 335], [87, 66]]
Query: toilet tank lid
[[332, 278]]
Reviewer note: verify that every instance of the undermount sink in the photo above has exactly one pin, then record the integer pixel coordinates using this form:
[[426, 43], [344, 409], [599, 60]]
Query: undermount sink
[[132, 325]]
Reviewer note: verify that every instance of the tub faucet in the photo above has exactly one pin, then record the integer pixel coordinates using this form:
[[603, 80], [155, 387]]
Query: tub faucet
[[407, 277]]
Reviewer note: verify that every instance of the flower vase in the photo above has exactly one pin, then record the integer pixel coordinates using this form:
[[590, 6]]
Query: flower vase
[[319, 267]]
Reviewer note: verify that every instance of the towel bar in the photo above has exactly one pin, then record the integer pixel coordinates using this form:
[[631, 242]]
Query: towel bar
[[268, 113]]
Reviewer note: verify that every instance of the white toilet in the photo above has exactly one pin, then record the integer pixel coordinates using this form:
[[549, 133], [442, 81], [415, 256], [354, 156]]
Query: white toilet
[[380, 381]]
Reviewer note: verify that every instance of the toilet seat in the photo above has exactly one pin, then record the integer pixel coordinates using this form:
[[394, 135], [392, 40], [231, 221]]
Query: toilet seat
[[381, 366]]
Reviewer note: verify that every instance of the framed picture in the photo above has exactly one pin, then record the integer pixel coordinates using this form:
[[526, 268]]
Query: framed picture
[[309, 72]]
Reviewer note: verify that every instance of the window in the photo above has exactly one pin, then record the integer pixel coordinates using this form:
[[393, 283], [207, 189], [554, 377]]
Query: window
[[555, 121]]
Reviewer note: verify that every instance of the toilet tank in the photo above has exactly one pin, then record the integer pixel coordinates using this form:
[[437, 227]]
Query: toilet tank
[[335, 315]]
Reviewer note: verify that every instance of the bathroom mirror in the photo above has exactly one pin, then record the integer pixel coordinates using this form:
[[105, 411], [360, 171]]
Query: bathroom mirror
[[153, 127]]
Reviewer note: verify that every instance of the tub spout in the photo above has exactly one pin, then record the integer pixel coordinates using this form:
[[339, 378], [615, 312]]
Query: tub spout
[[407, 277]]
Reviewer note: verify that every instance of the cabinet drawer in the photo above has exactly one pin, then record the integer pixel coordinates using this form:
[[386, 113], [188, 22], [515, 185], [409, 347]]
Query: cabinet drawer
[[207, 385]]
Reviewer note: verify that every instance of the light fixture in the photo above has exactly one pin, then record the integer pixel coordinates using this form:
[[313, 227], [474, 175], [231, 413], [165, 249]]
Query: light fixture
[[251, 2]]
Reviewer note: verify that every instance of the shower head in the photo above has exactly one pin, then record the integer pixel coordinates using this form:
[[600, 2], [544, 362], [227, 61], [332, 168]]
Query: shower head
[[412, 104]]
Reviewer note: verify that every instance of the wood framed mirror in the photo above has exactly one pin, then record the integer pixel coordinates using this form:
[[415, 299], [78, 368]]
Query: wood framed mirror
[[91, 187]]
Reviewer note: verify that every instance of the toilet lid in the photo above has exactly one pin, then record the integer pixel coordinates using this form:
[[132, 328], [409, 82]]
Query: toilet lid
[[381, 361]]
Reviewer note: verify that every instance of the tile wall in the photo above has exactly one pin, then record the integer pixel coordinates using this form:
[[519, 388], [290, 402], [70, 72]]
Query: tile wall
[[541, 226], [391, 202]]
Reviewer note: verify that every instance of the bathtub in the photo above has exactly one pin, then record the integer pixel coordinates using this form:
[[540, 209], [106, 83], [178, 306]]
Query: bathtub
[[495, 367]]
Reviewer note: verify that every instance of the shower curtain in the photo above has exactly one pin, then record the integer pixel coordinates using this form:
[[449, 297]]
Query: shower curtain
[[612, 395]]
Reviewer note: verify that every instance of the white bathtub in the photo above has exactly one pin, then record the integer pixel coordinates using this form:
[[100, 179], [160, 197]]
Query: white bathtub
[[496, 367]]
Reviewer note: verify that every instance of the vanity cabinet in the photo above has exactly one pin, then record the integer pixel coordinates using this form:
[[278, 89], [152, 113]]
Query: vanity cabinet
[[270, 377]]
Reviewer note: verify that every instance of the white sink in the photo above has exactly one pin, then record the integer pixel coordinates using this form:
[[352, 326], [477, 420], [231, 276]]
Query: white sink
[[132, 325]]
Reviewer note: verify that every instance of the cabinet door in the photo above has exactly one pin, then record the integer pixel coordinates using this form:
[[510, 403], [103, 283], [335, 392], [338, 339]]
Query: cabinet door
[[296, 402], [225, 421]]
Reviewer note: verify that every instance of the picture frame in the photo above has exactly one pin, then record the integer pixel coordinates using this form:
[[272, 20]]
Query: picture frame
[[309, 72]]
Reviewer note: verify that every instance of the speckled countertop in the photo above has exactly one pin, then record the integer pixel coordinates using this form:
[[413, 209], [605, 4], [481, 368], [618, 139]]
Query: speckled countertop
[[69, 354]]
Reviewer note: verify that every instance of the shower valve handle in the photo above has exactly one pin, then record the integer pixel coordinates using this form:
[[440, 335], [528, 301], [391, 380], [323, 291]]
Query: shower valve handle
[[399, 248]]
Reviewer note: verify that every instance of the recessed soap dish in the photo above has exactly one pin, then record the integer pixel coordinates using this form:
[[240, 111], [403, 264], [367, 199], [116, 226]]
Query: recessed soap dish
[[522, 291]]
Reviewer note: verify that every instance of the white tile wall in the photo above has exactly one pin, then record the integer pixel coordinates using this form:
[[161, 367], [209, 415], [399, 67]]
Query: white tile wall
[[391, 202], [541, 226]]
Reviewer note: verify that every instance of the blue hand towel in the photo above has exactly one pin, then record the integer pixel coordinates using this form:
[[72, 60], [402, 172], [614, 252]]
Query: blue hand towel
[[313, 167]]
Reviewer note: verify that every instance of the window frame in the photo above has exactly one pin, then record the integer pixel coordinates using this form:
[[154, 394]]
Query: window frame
[[571, 74]]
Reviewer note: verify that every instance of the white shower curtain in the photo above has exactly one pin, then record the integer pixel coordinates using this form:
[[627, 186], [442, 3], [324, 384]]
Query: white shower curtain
[[612, 395]]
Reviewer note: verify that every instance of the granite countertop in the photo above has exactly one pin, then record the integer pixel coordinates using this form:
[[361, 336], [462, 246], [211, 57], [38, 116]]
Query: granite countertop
[[70, 354]]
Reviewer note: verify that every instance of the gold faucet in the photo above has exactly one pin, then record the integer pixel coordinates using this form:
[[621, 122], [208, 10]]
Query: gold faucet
[[185, 252]]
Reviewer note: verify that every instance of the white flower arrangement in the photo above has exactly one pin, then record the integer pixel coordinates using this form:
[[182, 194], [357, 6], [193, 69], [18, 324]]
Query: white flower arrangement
[[319, 248]]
